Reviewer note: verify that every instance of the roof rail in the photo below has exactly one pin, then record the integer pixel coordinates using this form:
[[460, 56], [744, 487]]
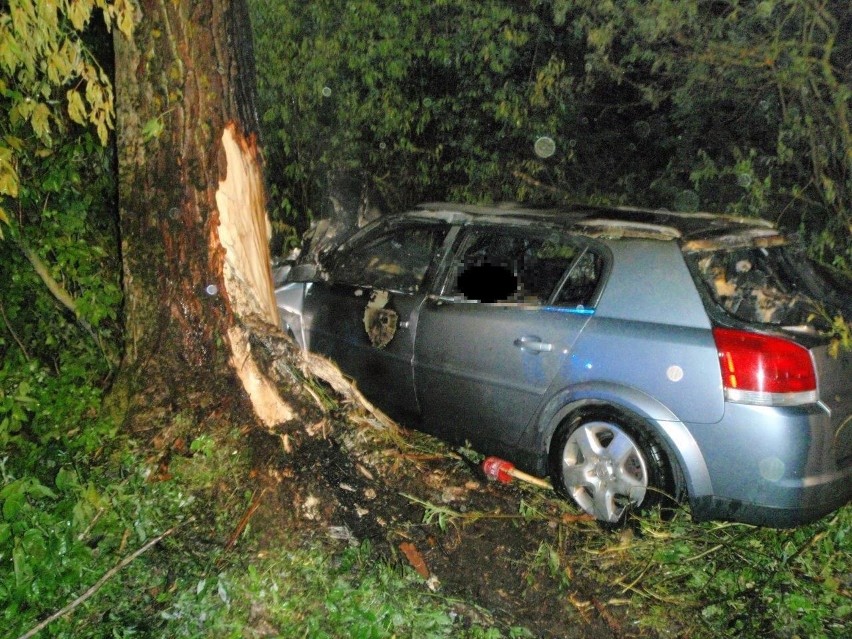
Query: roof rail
[[621, 228]]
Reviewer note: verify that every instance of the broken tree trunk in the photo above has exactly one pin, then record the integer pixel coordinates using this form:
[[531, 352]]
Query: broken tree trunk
[[192, 217], [244, 234], [201, 328]]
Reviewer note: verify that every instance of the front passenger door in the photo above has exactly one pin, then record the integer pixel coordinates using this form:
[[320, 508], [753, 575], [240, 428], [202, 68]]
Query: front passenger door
[[365, 317]]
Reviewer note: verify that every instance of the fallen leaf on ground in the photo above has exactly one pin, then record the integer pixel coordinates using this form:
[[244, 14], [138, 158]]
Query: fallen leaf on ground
[[414, 558]]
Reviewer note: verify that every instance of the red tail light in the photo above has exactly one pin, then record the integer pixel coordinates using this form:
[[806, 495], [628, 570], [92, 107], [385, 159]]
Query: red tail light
[[763, 369]]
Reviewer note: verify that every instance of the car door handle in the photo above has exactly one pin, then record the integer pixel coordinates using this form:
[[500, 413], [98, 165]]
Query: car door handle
[[533, 344]]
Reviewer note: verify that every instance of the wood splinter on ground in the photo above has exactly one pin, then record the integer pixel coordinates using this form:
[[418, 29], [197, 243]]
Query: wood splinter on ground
[[415, 558], [244, 520]]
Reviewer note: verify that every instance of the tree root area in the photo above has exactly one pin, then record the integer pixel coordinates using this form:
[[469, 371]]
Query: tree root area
[[422, 505]]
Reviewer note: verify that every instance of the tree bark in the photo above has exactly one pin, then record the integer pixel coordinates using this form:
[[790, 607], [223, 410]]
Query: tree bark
[[192, 217]]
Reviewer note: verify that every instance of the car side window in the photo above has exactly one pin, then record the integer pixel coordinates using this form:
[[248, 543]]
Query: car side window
[[580, 285], [396, 259], [499, 265]]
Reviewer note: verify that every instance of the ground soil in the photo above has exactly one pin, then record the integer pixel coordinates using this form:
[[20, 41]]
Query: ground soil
[[345, 483]]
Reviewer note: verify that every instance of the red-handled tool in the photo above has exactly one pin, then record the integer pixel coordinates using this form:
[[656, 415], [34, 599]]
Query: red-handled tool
[[503, 471]]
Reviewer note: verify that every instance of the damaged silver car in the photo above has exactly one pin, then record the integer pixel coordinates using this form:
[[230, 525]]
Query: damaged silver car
[[634, 357]]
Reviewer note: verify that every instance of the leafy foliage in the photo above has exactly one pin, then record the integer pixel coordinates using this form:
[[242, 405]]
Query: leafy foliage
[[62, 223], [732, 579], [49, 75], [738, 106], [63, 516], [59, 290], [56, 519], [756, 95], [422, 98]]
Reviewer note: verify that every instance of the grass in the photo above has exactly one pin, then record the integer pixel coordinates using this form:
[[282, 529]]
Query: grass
[[677, 578], [75, 501], [128, 548], [718, 579]]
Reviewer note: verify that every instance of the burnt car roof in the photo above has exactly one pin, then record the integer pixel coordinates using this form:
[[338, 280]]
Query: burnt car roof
[[696, 231]]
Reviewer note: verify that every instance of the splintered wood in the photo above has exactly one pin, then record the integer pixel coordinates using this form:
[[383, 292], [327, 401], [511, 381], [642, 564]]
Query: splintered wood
[[243, 235], [244, 229], [243, 232]]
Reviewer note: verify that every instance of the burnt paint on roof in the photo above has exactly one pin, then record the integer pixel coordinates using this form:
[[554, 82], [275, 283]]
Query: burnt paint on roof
[[605, 221]]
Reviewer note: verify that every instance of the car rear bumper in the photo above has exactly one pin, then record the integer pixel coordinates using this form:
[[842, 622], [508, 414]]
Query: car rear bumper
[[774, 466]]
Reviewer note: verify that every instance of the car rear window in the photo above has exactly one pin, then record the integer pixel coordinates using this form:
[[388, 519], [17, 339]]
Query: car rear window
[[767, 285], [509, 265]]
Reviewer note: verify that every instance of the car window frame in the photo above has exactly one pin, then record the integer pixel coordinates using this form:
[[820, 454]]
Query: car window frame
[[461, 242], [597, 249], [825, 295], [374, 233]]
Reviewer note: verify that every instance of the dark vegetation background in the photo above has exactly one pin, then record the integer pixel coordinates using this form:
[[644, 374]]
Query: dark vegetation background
[[736, 107], [725, 105]]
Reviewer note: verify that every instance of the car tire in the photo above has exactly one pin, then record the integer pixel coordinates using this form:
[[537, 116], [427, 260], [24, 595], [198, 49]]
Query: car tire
[[609, 464]]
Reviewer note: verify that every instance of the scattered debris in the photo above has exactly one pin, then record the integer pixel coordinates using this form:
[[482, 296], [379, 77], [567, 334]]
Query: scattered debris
[[582, 607], [310, 509], [433, 583], [453, 493], [609, 619], [571, 518], [342, 533], [503, 471], [415, 558], [464, 536], [244, 520], [364, 472]]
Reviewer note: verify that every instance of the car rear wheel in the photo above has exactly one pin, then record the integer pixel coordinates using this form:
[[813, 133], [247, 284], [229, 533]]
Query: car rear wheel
[[609, 464]]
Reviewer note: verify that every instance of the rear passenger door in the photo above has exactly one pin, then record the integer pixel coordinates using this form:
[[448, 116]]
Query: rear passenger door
[[490, 344]]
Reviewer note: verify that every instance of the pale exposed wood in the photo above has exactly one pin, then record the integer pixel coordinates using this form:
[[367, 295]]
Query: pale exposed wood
[[268, 405], [244, 230], [328, 372], [284, 354]]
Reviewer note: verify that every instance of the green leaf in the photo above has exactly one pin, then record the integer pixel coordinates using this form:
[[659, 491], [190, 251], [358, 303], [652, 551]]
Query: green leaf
[[36, 489], [66, 478], [8, 176], [19, 561], [79, 14], [152, 129], [76, 108], [13, 499]]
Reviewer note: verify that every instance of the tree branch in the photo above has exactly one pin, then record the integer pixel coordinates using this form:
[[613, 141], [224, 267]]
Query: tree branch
[[98, 584], [56, 289], [12, 331], [59, 293]]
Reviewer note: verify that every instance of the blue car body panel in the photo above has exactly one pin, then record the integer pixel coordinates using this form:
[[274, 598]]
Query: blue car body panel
[[504, 376]]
